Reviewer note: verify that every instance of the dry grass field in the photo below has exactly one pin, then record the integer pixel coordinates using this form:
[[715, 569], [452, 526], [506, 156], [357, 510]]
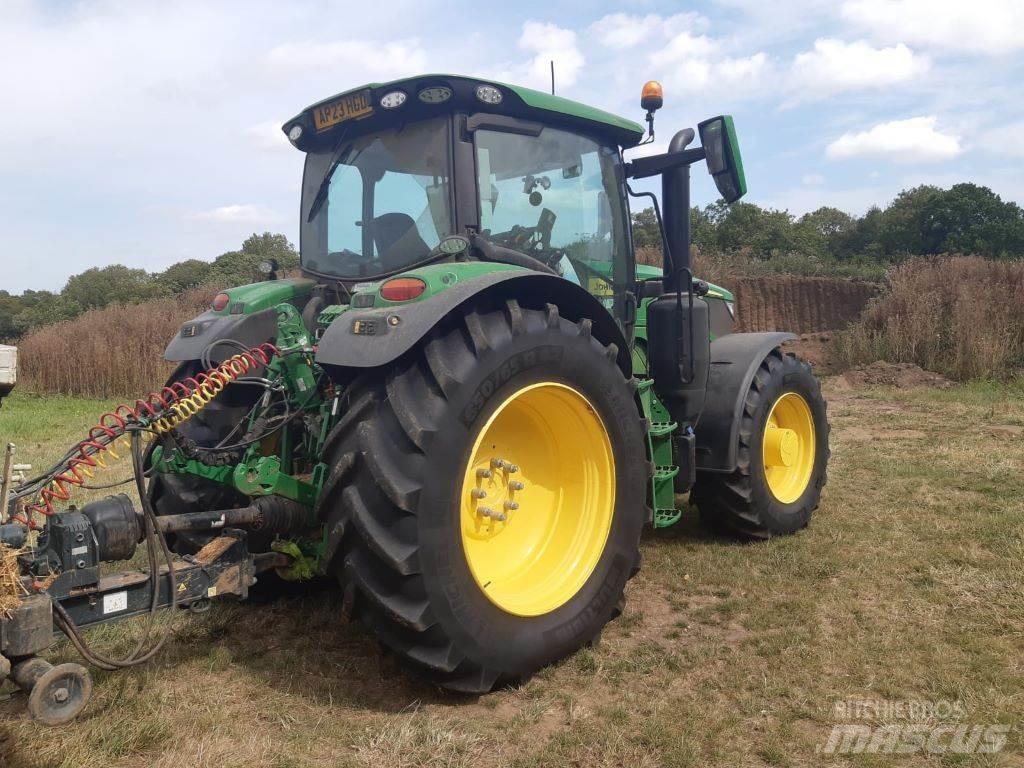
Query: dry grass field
[[908, 586]]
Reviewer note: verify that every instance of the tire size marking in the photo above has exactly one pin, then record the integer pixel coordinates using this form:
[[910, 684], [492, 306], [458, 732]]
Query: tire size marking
[[547, 355], [600, 603]]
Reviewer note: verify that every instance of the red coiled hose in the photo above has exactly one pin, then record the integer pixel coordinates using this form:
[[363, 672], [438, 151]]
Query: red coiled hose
[[159, 411]]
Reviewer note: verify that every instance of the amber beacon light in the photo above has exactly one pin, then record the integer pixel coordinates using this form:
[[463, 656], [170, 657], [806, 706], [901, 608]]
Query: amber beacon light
[[652, 96]]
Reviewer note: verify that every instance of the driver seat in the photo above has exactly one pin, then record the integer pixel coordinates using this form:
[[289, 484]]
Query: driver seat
[[398, 241]]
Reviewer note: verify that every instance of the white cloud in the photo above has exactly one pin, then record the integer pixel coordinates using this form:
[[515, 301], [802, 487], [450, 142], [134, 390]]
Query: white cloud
[[268, 136], [835, 66], [978, 26], [235, 214], [547, 43], [743, 68], [391, 60], [620, 30], [1005, 140], [915, 140], [812, 180], [697, 62]]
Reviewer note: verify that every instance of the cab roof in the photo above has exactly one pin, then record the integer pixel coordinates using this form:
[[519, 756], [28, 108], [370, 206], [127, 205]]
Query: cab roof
[[360, 110]]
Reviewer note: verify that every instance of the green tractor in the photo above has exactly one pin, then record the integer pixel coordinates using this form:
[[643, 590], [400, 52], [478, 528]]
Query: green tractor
[[477, 400]]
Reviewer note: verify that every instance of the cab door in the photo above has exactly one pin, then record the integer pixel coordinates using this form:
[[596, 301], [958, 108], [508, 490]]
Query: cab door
[[557, 196]]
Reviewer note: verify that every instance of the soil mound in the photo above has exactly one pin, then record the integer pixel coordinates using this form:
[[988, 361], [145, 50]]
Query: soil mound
[[883, 374], [816, 349]]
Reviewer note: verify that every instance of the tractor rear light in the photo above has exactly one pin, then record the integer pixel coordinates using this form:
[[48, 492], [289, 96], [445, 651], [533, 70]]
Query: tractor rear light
[[435, 95], [220, 302], [402, 289], [488, 94], [393, 99]]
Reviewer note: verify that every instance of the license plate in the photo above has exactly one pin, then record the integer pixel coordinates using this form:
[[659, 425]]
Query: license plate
[[346, 108]]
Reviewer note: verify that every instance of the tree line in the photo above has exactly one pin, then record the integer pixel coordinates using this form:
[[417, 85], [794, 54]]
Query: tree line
[[99, 287], [925, 220]]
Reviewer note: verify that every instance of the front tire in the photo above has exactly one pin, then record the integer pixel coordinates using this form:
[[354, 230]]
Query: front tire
[[782, 455], [406, 459]]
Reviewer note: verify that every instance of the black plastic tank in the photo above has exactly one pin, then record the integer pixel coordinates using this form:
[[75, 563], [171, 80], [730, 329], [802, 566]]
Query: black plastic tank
[[679, 354]]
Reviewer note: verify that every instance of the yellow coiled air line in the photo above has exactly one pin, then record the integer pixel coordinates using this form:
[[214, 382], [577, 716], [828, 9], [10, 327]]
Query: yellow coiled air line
[[159, 412]]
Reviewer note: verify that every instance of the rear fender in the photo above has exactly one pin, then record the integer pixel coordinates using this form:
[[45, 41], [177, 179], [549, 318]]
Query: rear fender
[[197, 334], [735, 359], [248, 317], [360, 339]]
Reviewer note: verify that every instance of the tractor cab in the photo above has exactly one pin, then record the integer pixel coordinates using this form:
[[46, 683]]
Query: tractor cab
[[394, 171]]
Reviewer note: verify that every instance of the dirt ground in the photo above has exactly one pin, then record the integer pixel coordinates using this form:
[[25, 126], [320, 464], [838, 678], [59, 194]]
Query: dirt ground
[[907, 586]]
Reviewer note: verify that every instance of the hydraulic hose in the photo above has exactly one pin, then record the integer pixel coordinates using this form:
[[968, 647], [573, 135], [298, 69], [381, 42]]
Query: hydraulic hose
[[156, 545], [159, 412]]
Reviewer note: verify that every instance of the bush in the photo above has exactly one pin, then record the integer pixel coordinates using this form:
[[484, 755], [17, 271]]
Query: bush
[[116, 351], [960, 316], [721, 268]]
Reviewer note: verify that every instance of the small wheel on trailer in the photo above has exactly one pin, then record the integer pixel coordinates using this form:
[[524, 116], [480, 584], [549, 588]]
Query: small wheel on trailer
[[59, 694], [492, 491], [782, 455]]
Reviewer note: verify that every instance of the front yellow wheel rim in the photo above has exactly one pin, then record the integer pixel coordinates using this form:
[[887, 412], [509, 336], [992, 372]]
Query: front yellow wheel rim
[[538, 497], [788, 447]]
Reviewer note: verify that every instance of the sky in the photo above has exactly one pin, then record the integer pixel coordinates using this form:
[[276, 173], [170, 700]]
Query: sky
[[145, 132]]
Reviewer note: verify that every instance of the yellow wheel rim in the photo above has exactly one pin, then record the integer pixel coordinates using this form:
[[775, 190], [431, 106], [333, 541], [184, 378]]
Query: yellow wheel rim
[[788, 447], [537, 499]]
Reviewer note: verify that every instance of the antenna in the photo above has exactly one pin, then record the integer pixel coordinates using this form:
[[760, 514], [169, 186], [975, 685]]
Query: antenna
[[552, 77]]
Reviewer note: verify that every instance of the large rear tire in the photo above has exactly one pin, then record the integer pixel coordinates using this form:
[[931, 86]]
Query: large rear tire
[[524, 412], [782, 455]]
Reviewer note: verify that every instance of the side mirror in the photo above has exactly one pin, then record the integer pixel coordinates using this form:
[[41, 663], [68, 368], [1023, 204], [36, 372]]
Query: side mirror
[[722, 151]]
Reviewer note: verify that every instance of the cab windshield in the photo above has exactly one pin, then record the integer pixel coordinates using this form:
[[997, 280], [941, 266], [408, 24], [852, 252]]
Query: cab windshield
[[377, 204]]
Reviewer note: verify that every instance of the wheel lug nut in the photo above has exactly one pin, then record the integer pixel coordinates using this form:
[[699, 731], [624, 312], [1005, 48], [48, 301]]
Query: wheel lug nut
[[488, 512], [512, 506], [483, 473], [478, 493], [497, 463], [512, 468], [516, 485]]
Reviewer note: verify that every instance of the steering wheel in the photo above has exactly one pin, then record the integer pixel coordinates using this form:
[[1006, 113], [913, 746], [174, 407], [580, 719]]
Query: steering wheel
[[544, 228], [533, 241]]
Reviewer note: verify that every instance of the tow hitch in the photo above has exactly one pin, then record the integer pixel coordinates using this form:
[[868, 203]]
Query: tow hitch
[[63, 591]]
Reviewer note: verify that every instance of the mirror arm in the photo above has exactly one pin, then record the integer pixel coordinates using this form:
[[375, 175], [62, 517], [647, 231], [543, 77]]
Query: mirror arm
[[644, 167]]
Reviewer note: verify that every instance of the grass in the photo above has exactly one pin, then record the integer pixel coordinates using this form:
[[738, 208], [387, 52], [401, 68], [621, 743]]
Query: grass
[[908, 585], [44, 427]]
